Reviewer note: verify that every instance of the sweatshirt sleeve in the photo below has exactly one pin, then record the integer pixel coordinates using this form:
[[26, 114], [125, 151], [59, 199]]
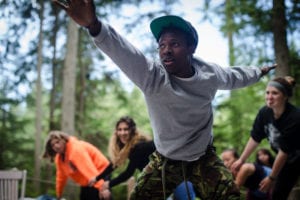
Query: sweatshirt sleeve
[[138, 158], [290, 137], [257, 132], [81, 159], [61, 179], [127, 57], [125, 175], [236, 77]]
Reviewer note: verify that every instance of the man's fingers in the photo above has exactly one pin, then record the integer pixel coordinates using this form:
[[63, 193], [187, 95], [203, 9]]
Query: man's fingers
[[266, 69], [272, 67], [62, 3]]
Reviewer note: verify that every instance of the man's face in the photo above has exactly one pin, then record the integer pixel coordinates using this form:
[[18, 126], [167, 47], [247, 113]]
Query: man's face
[[175, 54]]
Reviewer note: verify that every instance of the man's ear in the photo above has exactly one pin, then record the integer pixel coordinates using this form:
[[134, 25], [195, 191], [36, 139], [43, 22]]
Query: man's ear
[[192, 49]]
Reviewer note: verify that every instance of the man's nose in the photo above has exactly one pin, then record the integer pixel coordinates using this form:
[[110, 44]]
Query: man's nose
[[167, 49]]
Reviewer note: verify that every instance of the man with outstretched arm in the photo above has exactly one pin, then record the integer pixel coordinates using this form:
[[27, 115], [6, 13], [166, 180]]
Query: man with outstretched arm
[[178, 91]]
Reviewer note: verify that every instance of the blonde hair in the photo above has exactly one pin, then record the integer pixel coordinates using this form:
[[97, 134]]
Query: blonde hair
[[118, 151], [49, 153]]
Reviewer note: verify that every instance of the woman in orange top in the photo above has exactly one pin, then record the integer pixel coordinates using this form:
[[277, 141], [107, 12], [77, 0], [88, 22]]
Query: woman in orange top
[[78, 160]]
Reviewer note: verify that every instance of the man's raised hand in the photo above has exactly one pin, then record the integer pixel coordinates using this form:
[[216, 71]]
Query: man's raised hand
[[265, 70], [83, 12]]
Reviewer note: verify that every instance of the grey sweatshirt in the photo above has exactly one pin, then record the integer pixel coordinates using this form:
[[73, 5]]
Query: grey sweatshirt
[[180, 109]]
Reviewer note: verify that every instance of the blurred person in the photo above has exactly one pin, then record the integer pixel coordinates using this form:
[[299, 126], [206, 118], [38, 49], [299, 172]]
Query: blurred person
[[128, 143], [264, 157], [249, 175], [278, 122], [179, 90], [79, 161]]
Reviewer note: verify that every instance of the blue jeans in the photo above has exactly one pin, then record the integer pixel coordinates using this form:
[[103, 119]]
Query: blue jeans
[[181, 192]]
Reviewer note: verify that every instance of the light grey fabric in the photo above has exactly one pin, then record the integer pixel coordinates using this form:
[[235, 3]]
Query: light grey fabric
[[180, 110]]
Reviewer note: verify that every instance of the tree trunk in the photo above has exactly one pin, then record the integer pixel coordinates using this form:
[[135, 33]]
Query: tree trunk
[[280, 38], [52, 125], [68, 98], [229, 24], [81, 88], [69, 80], [81, 99], [54, 71], [39, 110]]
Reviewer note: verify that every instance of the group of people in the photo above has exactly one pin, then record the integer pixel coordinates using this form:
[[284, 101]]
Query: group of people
[[251, 174], [178, 91], [278, 122], [82, 162]]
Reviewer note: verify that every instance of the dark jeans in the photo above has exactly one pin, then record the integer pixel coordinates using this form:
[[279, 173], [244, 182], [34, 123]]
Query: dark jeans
[[89, 193], [286, 180]]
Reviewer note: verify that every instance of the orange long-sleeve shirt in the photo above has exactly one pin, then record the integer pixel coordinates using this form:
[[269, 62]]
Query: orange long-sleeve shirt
[[82, 161]]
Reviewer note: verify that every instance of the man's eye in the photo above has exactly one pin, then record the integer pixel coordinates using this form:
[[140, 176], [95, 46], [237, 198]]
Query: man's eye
[[161, 46], [175, 44]]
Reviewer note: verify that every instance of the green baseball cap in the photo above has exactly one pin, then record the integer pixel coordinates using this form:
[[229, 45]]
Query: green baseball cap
[[159, 24]]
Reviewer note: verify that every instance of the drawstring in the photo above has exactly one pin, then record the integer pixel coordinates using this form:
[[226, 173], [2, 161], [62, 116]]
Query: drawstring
[[184, 179], [163, 174]]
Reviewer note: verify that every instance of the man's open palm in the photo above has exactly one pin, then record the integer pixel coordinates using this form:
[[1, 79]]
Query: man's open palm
[[81, 11]]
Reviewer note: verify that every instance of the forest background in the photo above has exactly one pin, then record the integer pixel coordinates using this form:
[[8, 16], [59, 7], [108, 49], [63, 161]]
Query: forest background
[[61, 81]]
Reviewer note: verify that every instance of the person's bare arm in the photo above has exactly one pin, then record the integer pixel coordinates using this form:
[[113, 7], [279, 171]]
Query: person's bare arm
[[246, 170], [279, 162], [251, 145]]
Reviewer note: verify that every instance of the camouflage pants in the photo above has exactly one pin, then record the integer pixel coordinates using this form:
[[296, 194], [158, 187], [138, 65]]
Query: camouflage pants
[[209, 176]]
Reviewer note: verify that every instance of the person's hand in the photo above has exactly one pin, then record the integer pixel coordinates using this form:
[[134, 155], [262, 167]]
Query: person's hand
[[92, 181], [266, 184], [235, 167], [265, 70], [81, 11], [105, 185], [104, 194]]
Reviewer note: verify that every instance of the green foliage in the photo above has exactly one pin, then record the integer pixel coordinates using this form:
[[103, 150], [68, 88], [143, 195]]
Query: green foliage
[[295, 63], [101, 96], [249, 23], [14, 143], [120, 191], [235, 115]]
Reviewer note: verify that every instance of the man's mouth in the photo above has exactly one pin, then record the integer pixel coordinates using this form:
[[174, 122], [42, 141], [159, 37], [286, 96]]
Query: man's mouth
[[168, 61]]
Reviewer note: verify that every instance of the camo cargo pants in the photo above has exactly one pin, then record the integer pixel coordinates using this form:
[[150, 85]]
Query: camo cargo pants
[[209, 176]]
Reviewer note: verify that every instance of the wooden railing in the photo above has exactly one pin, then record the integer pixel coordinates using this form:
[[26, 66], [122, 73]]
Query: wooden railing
[[11, 182]]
